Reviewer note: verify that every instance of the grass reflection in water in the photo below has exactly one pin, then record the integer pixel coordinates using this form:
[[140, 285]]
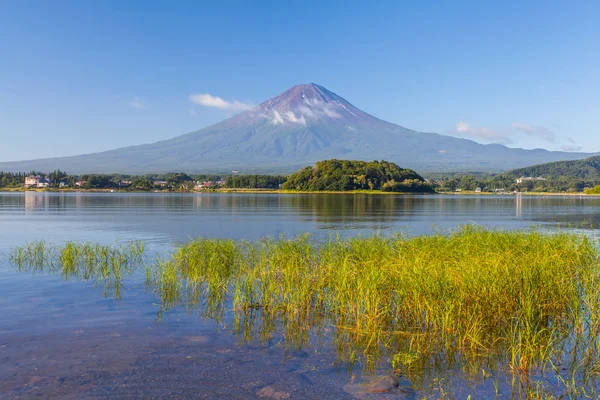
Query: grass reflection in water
[[521, 304]]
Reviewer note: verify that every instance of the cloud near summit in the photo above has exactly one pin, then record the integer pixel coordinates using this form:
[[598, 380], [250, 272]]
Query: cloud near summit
[[535, 131], [511, 135], [208, 100], [467, 130]]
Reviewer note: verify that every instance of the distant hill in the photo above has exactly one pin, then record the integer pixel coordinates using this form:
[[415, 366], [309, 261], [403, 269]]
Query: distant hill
[[586, 169], [299, 127]]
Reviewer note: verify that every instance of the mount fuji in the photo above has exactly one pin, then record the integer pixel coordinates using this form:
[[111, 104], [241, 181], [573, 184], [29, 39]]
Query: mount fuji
[[300, 126]]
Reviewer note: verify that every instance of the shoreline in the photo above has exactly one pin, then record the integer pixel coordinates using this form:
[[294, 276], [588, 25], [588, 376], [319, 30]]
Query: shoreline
[[223, 190], [280, 191]]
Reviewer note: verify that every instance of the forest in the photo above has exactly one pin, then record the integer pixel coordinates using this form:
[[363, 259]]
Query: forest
[[60, 179], [344, 175], [254, 181], [554, 177]]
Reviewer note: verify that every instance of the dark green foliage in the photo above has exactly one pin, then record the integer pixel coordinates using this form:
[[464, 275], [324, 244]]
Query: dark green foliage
[[177, 178], [254, 181], [9, 179], [170, 181], [142, 183], [587, 169], [98, 181], [562, 176], [208, 178], [174, 181], [341, 175]]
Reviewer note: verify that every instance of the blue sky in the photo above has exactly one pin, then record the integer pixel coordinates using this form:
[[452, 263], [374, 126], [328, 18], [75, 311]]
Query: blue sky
[[84, 76]]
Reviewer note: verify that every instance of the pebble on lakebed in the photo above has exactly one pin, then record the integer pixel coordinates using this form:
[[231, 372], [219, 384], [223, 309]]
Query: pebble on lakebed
[[268, 392], [198, 339], [372, 386]]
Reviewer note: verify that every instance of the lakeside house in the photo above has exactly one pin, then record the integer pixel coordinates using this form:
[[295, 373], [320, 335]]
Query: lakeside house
[[530, 179], [81, 183], [160, 183], [202, 185], [477, 190], [37, 181], [208, 184]]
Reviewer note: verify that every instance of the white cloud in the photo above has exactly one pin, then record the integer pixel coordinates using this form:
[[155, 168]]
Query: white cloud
[[570, 146], [535, 131], [136, 103], [207, 100], [315, 108], [306, 111], [290, 116], [331, 113], [466, 130], [512, 134], [320, 107], [277, 119]]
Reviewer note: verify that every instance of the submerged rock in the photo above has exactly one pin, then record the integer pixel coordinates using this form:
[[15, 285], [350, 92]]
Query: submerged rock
[[268, 392], [198, 339], [383, 384], [376, 387]]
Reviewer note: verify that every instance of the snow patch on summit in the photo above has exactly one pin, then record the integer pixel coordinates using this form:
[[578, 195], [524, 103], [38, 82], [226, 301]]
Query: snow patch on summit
[[311, 104]]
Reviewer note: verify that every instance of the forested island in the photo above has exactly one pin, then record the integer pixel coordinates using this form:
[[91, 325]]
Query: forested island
[[346, 175]]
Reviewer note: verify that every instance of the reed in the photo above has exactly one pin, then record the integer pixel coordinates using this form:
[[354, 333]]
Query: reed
[[81, 261], [516, 302], [491, 304]]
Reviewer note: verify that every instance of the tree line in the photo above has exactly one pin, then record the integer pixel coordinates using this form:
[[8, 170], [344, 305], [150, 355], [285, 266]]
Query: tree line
[[254, 181], [508, 182], [169, 181], [339, 175]]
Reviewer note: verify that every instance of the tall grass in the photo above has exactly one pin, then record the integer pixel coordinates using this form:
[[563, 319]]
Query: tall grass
[[82, 261], [521, 304]]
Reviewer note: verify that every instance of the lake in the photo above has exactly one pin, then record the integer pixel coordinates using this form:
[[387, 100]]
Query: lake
[[71, 339]]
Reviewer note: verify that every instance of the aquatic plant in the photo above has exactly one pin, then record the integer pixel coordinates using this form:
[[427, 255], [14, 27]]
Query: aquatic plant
[[491, 304], [81, 261], [517, 302]]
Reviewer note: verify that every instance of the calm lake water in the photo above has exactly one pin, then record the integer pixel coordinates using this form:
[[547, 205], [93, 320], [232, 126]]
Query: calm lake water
[[71, 340]]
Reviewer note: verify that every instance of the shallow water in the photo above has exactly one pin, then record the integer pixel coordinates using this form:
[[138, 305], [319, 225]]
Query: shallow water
[[71, 340]]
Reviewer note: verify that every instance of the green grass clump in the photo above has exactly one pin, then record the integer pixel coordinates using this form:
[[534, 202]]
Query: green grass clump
[[522, 302], [82, 261]]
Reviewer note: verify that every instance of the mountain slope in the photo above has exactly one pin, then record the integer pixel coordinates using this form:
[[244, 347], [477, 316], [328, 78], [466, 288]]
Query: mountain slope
[[299, 127], [588, 168]]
